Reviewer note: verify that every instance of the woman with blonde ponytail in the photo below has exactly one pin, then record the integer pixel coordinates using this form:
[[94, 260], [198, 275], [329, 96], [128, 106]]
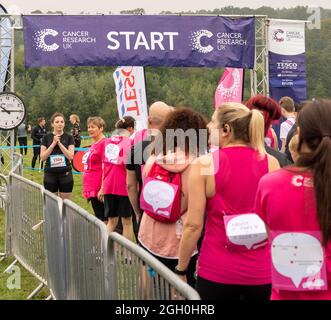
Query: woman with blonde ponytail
[[223, 184], [256, 131], [295, 203]]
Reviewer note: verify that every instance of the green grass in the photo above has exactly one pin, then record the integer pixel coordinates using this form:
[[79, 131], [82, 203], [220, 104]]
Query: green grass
[[28, 282]]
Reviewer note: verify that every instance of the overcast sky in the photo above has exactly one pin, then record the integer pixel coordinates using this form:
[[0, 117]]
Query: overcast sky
[[150, 6]]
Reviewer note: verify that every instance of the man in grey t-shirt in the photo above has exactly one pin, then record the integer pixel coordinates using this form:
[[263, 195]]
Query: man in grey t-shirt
[[22, 137]]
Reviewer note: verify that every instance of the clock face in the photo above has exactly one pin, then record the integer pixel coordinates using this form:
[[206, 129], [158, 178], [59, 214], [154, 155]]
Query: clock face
[[12, 111]]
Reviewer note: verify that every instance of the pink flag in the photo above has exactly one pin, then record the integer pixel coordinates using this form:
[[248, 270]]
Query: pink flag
[[230, 87]]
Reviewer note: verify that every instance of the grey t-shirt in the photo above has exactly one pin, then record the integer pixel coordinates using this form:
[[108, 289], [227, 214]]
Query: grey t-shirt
[[21, 131]]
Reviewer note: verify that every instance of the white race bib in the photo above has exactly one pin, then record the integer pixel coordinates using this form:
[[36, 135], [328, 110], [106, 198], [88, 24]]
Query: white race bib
[[85, 159], [298, 262], [245, 231], [57, 161]]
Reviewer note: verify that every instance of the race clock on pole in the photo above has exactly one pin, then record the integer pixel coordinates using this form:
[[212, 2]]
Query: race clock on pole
[[12, 111]]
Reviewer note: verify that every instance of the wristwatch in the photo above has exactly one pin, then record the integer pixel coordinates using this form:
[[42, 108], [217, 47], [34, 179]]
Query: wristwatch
[[180, 272]]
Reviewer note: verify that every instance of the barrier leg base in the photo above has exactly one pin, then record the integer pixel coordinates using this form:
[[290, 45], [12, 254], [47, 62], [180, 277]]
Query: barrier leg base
[[2, 256], [35, 291], [10, 266]]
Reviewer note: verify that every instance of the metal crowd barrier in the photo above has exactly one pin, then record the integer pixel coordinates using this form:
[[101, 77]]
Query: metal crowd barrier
[[85, 239], [137, 275], [54, 239], [17, 164], [3, 192], [17, 167], [4, 205], [70, 251], [27, 230]]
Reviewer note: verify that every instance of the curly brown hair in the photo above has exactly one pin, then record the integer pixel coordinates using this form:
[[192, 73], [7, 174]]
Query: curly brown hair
[[179, 128]]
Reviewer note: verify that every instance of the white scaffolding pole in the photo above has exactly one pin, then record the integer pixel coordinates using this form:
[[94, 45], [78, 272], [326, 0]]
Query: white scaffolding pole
[[260, 73], [7, 84]]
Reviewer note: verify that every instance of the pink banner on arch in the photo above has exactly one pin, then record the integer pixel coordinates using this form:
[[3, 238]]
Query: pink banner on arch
[[230, 87]]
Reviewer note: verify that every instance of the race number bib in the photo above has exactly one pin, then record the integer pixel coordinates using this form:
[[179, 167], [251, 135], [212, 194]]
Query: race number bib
[[298, 262], [57, 161], [112, 153], [85, 159], [245, 232]]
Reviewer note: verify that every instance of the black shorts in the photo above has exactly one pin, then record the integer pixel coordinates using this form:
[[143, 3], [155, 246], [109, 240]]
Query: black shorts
[[172, 263], [117, 206], [98, 208], [59, 182]]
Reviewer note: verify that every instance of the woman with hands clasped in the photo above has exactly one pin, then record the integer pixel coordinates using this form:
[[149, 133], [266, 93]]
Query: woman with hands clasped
[[57, 149]]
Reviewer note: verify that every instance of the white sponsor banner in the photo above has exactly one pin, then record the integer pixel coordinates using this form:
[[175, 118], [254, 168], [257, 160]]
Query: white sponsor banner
[[286, 37], [131, 94], [287, 70]]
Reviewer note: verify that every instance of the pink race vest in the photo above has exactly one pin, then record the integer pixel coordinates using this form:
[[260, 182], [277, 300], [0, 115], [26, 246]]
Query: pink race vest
[[240, 169]]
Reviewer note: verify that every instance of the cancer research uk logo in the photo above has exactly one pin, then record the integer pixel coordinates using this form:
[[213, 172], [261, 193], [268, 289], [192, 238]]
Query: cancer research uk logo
[[278, 35], [202, 40], [196, 41], [39, 38], [48, 40]]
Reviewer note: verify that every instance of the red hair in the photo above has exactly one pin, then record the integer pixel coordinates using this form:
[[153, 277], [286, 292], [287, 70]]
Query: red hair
[[270, 108]]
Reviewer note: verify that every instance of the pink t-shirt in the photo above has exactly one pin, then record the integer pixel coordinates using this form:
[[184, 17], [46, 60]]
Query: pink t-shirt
[[286, 202], [92, 176], [236, 181], [116, 151]]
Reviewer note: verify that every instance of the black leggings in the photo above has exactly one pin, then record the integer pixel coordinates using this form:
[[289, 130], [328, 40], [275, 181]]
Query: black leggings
[[36, 155], [209, 290], [23, 141]]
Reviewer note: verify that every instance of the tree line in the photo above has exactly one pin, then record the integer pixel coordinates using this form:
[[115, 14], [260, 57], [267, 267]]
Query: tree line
[[90, 91]]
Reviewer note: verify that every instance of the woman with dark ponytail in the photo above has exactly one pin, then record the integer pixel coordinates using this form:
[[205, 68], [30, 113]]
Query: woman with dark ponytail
[[117, 203], [295, 203]]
